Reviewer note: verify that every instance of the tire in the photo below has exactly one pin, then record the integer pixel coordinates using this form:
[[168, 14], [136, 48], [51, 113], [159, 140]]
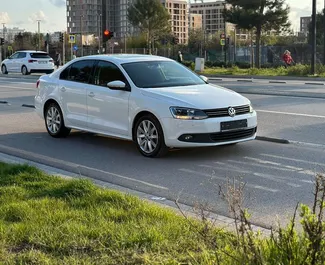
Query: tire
[[24, 70], [54, 121], [150, 131], [4, 69]]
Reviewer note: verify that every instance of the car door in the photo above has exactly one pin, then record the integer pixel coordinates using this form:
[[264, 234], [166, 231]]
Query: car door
[[72, 89], [108, 110], [20, 61], [11, 64]]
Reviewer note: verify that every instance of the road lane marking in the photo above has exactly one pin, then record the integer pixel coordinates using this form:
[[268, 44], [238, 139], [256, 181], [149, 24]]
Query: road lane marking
[[265, 176], [291, 113], [226, 179], [286, 168], [294, 159]]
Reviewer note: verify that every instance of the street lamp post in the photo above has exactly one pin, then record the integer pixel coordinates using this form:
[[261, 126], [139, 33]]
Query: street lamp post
[[39, 34]]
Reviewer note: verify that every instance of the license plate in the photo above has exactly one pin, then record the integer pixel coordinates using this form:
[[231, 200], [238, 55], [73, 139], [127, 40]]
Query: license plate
[[42, 62], [232, 125]]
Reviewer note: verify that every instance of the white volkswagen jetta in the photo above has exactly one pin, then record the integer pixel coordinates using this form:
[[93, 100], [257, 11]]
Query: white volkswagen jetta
[[153, 101]]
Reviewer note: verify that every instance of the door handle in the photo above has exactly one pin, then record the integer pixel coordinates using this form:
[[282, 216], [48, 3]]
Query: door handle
[[63, 89], [91, 94]]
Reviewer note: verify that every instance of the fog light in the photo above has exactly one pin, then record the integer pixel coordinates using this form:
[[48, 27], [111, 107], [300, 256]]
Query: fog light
[[188, 137]]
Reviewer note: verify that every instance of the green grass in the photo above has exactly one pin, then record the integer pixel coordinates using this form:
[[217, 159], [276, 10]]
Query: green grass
[[296, 70], [50, 220]]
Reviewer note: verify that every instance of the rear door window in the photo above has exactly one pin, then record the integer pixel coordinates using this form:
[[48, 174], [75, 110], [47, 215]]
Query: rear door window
[[22, 55]]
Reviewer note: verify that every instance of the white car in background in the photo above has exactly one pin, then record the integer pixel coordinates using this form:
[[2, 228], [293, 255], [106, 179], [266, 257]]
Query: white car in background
[[27, 62], [153, 101]]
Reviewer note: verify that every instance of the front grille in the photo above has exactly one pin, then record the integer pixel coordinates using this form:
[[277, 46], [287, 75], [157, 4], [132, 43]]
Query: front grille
[[232, 135], [214, 113]]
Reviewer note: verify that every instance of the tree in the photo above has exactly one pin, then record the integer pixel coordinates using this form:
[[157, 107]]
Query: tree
[[151, 17], [258, 15], [319, 29]]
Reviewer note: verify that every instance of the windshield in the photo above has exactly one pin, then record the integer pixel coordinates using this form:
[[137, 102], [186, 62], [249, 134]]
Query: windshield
[[154, 74], [39, 55]]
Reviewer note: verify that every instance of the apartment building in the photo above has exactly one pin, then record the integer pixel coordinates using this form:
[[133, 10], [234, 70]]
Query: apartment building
[[10, 33], [304, 24], [212, 16], [92, 17], [195, 21], [178, 9]]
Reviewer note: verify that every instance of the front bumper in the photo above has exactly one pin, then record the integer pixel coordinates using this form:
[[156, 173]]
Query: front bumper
[[196, 133]]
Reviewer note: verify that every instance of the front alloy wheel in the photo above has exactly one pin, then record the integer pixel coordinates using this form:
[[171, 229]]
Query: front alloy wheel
[[149, 137], [54, 121], [24, 70]]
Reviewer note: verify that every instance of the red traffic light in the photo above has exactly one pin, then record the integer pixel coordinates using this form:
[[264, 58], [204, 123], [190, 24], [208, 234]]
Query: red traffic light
[[106, 32]]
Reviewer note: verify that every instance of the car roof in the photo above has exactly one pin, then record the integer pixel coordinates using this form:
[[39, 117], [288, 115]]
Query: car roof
[[125, 58], [31, 51]]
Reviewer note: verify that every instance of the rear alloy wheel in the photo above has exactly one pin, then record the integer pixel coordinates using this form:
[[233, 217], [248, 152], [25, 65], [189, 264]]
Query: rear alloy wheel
[[149, 137], [24, 70], [4, 70], [54, 121]]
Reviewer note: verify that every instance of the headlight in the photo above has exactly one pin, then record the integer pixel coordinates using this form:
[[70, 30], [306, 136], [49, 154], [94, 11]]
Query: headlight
[[251, 108], [187, 113]]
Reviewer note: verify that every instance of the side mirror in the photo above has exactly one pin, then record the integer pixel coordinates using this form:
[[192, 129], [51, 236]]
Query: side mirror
[[116, 85], [204, 78]]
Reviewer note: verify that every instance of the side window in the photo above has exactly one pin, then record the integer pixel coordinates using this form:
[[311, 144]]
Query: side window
[[107, 72], [14, 56], [81, 71], [22, 55], [65, 73]]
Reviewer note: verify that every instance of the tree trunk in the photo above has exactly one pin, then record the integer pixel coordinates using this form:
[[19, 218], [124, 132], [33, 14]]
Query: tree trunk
[[258, 47]]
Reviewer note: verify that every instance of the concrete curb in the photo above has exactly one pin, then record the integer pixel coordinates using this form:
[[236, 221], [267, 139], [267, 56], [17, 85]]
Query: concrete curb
[[277, 82], [287, 78], [280, 93], [311, 83], [31, 77], [28, 106], [3, 102]]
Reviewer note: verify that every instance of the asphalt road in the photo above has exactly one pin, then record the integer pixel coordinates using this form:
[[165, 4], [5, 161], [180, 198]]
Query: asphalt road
[[277, 176]]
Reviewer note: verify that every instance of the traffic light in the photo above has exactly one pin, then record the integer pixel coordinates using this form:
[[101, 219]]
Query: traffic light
[[2, 41], [107, 35], [61, 37]]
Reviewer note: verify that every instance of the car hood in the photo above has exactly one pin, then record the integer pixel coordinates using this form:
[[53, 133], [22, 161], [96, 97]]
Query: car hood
[[198, 96]]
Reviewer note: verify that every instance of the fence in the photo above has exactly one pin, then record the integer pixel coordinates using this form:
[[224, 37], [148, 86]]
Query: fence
[[270, 55]]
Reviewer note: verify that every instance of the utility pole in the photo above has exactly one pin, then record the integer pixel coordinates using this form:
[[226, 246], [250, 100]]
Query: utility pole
[[39, 34], [313, 34]]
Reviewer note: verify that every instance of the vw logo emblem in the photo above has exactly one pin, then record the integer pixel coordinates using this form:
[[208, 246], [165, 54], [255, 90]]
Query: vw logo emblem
[[231, 111]]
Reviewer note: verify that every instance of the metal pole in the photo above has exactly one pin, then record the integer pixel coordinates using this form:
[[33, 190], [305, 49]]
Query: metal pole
[[39, 34], [82, 47], [4, 40], [235, 45], [99, 33], [225, 29], [324, 35], [313, 44], [63, 49]]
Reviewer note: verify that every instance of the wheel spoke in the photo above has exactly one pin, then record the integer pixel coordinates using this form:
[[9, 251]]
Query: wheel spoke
[[150, 146]]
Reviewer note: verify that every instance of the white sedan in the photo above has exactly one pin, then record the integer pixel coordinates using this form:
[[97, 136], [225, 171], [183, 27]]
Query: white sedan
[[153, 101], [27, 62]]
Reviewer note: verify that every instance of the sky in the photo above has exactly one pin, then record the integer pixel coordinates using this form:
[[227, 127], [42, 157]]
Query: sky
[[52, 13]]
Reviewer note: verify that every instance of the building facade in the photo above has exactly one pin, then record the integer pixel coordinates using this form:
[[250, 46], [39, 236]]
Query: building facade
[[304, 24], [93, 17], [212, 16], [178, 9], [195, 21]]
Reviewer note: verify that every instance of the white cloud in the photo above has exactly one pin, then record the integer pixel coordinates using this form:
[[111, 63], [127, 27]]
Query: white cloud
[[39, 15], [4, 17]]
